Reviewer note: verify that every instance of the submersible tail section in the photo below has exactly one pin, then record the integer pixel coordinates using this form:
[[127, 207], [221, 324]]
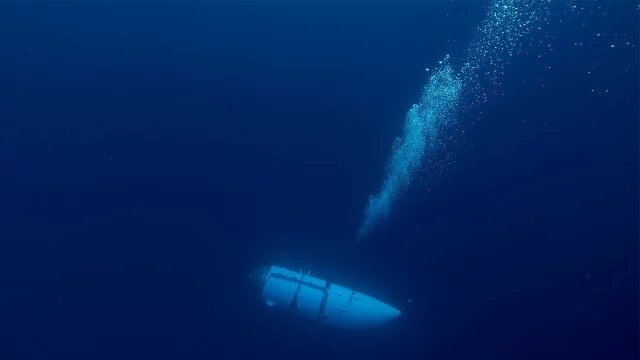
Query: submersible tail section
[[317, 299]]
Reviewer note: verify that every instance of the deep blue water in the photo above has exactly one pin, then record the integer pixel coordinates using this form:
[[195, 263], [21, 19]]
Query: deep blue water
[[152, 154]]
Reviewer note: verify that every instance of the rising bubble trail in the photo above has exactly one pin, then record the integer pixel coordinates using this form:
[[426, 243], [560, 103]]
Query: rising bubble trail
[[504, 33]]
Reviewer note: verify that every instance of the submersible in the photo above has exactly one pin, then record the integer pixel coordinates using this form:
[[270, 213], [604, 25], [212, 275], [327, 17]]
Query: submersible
[[300, 294]]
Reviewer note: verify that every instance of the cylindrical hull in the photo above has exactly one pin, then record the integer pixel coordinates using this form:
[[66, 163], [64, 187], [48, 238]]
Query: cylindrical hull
[[315, 298]]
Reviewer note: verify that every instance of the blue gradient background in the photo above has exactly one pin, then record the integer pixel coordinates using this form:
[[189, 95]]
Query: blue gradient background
[[153, 153]]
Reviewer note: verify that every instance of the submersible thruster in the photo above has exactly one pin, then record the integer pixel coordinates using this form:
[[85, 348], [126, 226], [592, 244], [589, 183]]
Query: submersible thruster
[[317, 299]]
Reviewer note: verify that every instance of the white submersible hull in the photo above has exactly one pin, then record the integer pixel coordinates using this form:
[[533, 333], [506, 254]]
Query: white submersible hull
[[318, 299]]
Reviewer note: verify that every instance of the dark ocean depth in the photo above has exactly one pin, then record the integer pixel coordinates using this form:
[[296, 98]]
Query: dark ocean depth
[[154, 153]]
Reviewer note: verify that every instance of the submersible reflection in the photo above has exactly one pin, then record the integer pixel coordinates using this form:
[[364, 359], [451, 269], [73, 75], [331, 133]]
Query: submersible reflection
[[500, 36]]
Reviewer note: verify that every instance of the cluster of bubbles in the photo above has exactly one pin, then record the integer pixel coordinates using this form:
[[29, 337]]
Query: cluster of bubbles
[[433, 112], [502, 35], [428, 124]]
